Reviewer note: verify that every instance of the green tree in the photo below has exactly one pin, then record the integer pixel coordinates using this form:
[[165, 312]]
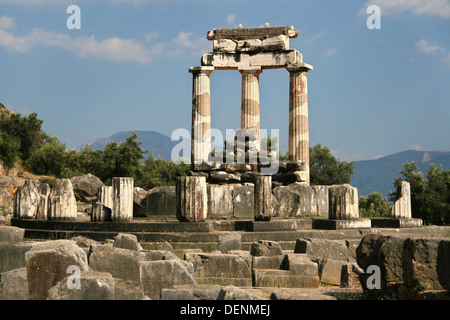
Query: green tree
[[9, 148], [122, 160], [430, 196], [374, 205], [49, 159], [325, 169], [157, 172], [27, 131]]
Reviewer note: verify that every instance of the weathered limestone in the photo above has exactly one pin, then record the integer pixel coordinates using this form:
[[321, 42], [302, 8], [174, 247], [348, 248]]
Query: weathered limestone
[[201, 115], [265, 248], [14, 285], [127, 241], [27, 200], [265, 60], [411, 261], [421, 258], [289, 270], [330, 255], [119, 262], [276, 43], [161, 201], [298, 115], [93, 286], [263, 198], [47, 263], [220, 201], [62, 202], [246, 143], [229, 241], [301, 200], [102, 208], [250, 98], [42, 209], [139, 202], [86, 187], [318, 249], [11, 234], [402, 206], [251, 33], [13, 255], [191, 292], [243, 201], [343, 201], [350, 274], [156, 275], [122, 194], [192, 198], [222, 269]]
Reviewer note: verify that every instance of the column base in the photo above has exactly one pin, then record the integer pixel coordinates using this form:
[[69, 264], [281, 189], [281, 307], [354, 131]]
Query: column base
[[331, 224], [396, 222]]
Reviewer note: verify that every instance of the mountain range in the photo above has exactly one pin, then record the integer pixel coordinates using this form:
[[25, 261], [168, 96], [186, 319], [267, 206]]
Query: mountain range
[[368, 176]]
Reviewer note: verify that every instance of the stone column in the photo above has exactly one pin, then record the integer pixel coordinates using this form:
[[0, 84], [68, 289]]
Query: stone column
[[402, 206], [62, 202], [102, 208], [250, 98], [298, 115], [26, 200], [201, 115], [122, 198], [343, 202], [192, 198], [263, 198]]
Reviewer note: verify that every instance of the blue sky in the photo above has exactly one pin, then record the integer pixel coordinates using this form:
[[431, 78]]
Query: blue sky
[[371, 93]]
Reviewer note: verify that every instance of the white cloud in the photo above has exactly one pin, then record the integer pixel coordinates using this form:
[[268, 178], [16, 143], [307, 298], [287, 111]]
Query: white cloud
[[114, 49], [187, 41], [230, 18], [423, 46], [446, 60], [378, 156], [440, 8], [331, 52], [312, 38], [149, 36], [7, 23]]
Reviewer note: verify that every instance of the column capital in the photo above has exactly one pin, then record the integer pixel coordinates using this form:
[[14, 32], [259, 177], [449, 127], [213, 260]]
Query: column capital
[[301, 67], [250, 70], [201, 70]]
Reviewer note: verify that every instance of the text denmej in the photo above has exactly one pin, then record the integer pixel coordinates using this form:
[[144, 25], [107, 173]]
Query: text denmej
[[227, 309]]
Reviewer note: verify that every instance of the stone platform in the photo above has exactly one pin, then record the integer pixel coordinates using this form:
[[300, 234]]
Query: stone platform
[[397, 222], [198, 235], [332, 224]]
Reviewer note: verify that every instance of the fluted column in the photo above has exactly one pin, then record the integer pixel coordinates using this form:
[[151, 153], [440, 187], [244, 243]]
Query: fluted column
[[250, 98], [201, 115], [298, 116], [122, 199]]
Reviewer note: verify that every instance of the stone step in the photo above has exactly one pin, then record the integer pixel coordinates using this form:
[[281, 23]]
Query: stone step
[[283, 279], [288, 237]]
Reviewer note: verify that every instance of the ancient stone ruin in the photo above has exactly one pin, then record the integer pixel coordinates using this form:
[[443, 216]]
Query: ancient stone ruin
[[234, 228], [250, 51]]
